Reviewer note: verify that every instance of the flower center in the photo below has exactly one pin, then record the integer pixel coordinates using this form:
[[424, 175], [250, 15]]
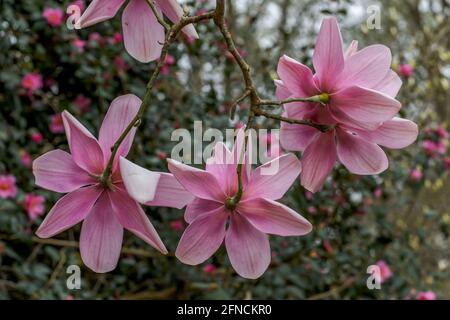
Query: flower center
[[324, 98]]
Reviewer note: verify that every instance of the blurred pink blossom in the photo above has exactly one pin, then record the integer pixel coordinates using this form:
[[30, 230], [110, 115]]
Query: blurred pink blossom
[[426, 295], [416, 175], [209, 268], [32, 81], [56, 123], [442, 133], [54, 16], [82, 102], [120, 63], [34, 205], [37, 137], [405, 70], [385, 270], [79, 44], [7, 186], [378, 192], [26, 159], [177, 225], [447, 163]]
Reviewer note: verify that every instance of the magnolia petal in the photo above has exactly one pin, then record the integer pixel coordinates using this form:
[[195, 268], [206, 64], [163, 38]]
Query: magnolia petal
[[98, 11], [294, 137], [141, 184], [85, 150], [248, 248], [389, 85], [360, 156], [199, 207], [297, 77], [101, 237], [200, 183], [272, 217], [174, 12], [120, 114], [56, 171], [222, 166], [318, 161], [131, 216], [363, 108], [142, 34], [202, 237], [397, 133], [68, 211], [170, 193], [328, 57], [366, 67], [273, 179]]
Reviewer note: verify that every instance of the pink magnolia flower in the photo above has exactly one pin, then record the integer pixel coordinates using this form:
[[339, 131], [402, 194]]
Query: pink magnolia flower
[[32, 81], [79, 3], [406, 70], [416, 175], [34, 205], [357, 90], [105, 208], [385, 271], [256, 215], [143, 35], [7, 186], [54, 16], [37, 137], [426, 295], [56, 123]]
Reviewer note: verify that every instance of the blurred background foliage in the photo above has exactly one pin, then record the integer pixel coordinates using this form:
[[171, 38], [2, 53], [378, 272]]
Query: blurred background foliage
[[400, 217]]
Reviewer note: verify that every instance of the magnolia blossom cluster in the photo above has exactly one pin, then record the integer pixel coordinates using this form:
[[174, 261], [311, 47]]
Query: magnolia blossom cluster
[[356, 105]]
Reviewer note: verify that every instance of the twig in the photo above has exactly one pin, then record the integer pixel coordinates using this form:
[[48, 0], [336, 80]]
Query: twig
[[237, 102], [74, 244], [321, 127], [158, 16]]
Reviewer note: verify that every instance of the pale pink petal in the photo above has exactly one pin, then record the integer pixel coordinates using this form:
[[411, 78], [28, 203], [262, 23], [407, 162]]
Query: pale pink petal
[[282, 92], [389, 85], [131, 216], [101, 237], [198, 207], [328, 57], [174, 12], [68, 211], [202, 237], [85, 150], [120, 114], [294, 137], [352, 49], [222, 166], [318, 161], [98, 11], [142, 34], [297, 77], [273, 179], [366, 67], [56, 171], [395, 134], [248, 248], [170, 193], [141, 184], [272, 217], [360, 156], [200, 183], [363, 108]]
